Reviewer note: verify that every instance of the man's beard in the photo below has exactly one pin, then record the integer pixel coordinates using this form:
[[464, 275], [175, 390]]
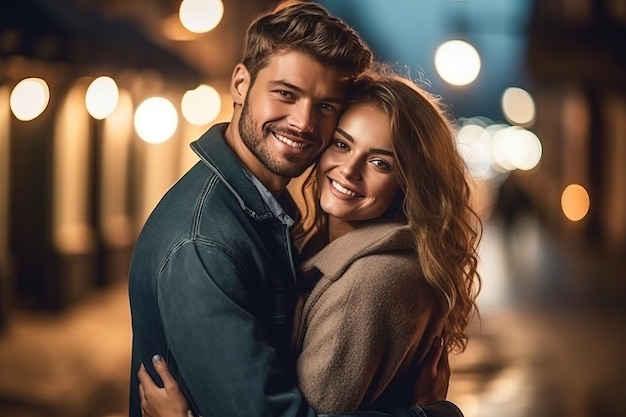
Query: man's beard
[[291, 166]]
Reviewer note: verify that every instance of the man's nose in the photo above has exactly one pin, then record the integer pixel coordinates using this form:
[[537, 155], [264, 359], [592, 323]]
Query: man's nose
[[303, 117]]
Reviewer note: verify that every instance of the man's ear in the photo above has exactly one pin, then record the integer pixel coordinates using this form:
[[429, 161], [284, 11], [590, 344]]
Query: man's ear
[[239, 83]]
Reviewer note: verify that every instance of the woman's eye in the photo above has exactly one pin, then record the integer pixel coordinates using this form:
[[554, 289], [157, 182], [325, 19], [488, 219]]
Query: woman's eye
[[339, 144], [381, 164]]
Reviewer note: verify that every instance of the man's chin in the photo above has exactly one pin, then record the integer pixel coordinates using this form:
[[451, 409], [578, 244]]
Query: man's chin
[[289, 172], [293, 168]]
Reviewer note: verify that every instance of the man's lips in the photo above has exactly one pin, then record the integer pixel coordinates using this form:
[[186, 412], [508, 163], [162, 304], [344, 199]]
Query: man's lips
[[290, 142]]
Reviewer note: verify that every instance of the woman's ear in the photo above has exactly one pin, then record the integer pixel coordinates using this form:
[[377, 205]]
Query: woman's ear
[[239, 83]]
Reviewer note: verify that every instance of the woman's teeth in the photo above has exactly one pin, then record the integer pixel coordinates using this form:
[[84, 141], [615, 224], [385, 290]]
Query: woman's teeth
[[342, 189]]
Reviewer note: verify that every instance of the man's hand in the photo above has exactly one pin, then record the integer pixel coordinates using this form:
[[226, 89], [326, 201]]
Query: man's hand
[[168, 401], [434, 377]]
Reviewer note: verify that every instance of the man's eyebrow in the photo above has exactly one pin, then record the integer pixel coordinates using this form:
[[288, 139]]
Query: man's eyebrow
[[285, 84], [281, 83], [372, 150]]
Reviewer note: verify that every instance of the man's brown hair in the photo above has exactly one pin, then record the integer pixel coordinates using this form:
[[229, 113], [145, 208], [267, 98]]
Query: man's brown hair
[[308, 28]]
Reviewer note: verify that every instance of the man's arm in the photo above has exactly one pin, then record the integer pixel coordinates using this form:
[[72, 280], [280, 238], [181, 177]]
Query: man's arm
[[221, 351], [169, 401], [218, 343]]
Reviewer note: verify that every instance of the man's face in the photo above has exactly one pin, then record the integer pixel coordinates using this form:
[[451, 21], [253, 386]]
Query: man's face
[[289, 114]]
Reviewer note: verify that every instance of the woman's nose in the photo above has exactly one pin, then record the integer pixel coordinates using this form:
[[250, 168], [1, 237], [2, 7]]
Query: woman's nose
[[351, 169]]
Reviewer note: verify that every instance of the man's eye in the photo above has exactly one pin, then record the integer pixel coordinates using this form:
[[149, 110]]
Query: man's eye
[[285, 94], [328, 108]]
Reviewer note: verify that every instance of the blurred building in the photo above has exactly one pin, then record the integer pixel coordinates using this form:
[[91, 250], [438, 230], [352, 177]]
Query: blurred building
[[577, 61], [577, 58], [75, 190]]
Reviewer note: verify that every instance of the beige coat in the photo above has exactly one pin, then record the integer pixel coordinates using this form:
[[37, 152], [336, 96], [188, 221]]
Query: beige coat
[[367, 324]]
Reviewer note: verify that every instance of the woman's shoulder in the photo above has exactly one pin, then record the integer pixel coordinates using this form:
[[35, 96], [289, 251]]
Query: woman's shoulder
[[368, 239], [372, 249]]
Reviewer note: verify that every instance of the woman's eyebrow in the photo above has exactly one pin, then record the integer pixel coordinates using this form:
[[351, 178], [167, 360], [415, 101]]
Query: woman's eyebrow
[[345, 134], [372, 150], [381, 151]]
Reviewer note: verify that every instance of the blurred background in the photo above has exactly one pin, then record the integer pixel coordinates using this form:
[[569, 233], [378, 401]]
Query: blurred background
[[99, 100]]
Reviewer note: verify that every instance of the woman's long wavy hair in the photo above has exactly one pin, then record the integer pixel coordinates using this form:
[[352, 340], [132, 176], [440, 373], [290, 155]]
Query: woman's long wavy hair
[[436, 199]]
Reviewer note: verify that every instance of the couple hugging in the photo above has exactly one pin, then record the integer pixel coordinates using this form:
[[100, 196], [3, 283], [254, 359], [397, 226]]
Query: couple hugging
[[340, 296]]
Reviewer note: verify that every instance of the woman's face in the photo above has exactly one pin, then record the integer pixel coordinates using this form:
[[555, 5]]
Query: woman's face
[[356, 172]]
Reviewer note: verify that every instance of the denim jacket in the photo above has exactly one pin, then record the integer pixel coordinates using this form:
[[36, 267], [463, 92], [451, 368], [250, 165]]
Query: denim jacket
[[212, 290]]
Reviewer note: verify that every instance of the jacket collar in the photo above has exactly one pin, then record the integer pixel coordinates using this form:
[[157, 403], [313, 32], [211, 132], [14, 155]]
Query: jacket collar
[[213, 150]]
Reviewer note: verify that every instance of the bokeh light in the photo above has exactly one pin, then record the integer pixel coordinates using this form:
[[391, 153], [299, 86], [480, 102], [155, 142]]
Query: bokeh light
[[516, 148], [201, 105], [518, 106], [492, 150], [575, 202], [102, 97], [156, 120], [524, 148], [29, 98], [474, 145], [200, 16], [457, 62]]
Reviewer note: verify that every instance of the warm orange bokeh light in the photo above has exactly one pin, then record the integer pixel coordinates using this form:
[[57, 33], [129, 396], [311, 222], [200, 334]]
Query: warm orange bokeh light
[[575, 202]]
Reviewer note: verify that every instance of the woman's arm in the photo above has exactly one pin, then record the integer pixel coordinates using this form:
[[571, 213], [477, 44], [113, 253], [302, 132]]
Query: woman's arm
[[168, 401]]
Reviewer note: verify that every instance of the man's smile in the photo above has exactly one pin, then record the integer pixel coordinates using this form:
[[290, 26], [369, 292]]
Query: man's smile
[[289, 142]]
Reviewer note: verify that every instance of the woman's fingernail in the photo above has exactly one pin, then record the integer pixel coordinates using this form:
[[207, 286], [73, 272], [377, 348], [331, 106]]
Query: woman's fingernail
[[157, 358]]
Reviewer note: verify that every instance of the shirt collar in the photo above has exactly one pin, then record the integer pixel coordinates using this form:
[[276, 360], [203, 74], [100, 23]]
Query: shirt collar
[[269, 199]]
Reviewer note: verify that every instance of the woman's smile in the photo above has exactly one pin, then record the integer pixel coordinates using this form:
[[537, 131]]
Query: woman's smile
[[343, 191]]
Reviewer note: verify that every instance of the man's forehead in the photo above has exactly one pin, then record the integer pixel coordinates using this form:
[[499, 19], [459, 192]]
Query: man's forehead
[[299, 71]]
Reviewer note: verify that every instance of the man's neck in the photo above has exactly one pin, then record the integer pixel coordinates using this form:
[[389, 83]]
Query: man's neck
[[274, 183]]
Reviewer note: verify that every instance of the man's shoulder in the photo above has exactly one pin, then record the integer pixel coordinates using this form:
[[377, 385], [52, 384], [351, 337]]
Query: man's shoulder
[[211, 141]]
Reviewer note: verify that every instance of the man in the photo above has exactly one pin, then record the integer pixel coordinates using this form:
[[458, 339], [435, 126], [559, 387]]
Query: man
[[212, 278]]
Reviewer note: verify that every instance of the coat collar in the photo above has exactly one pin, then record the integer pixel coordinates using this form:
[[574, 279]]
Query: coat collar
[[333, 260]]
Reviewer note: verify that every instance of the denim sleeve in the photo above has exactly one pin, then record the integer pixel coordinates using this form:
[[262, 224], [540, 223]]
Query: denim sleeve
[[223, 354]]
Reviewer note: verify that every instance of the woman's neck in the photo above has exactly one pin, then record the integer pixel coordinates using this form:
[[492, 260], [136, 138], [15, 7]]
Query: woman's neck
[[339, 227]]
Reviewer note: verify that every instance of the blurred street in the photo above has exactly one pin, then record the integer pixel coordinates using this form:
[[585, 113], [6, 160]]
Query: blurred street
[[547, 344]]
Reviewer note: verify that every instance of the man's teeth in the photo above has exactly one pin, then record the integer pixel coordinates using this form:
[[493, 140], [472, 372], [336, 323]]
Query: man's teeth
[[343, 190], [289, 142]]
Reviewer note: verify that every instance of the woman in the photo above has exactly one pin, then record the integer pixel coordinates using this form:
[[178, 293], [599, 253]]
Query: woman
[[392, 240]]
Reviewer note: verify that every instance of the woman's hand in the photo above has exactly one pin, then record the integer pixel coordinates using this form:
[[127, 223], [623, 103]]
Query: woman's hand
[[168, 401], [434, 378]]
